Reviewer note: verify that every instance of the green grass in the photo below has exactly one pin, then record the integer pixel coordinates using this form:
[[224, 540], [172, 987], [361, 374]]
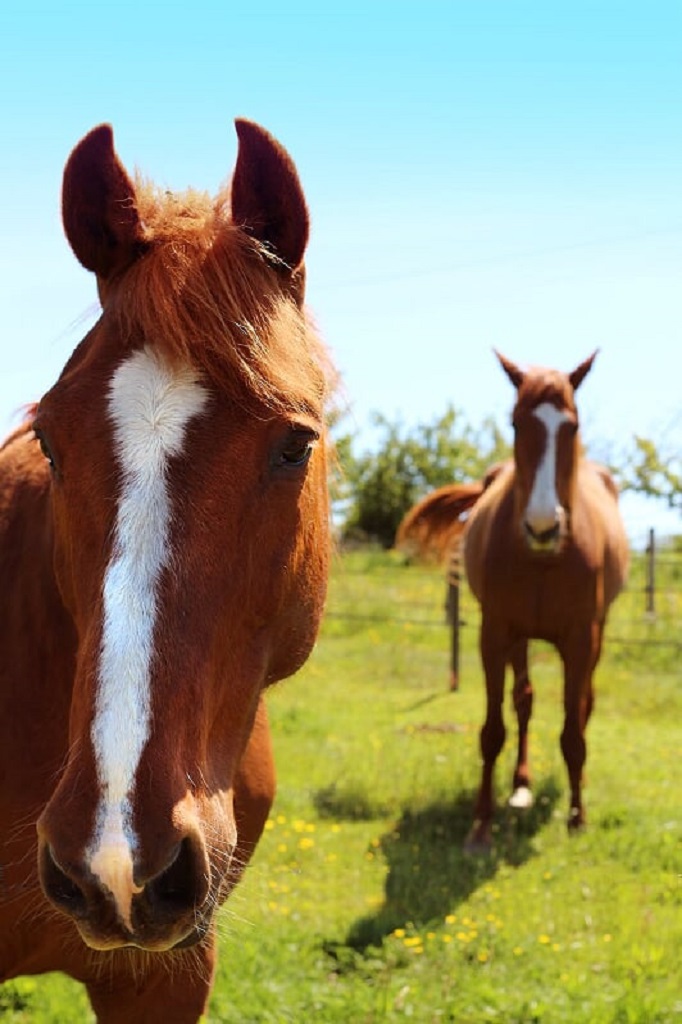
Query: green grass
[[361, 906]]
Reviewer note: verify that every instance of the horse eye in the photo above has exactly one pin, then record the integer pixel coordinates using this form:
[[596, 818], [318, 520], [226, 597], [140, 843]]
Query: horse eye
[[45, 448], [298, 448]]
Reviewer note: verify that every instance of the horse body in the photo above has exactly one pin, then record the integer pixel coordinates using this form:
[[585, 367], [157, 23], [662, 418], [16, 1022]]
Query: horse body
[[163, 556], [546, 554], [544, 596]]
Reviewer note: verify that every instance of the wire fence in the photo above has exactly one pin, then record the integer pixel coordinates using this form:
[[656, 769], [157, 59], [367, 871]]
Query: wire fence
[[646, 617]]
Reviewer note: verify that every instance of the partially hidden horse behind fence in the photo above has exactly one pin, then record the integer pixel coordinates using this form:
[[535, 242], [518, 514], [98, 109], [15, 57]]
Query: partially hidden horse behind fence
[[163, 559], [545, 553]]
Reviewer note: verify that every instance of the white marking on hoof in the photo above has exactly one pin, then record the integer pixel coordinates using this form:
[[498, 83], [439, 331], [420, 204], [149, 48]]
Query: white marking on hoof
[[521, 799]]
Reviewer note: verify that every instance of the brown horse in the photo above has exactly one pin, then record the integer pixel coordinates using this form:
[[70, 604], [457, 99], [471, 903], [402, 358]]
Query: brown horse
[[163, 558], [546, 553]]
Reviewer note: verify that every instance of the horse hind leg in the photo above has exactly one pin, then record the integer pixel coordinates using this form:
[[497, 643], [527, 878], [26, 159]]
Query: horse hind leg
[[522, 795]]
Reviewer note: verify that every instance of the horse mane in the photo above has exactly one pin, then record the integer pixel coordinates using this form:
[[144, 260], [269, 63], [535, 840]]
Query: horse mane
[[431, 527], [207, 293], [24, 427]]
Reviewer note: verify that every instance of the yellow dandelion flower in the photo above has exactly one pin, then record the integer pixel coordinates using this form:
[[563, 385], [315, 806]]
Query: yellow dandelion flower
[[544, 939], [412, 940], [517, 950], [269, 825], [305, 843], [398, 933], [482, 956], [447, 938], [450, 918]]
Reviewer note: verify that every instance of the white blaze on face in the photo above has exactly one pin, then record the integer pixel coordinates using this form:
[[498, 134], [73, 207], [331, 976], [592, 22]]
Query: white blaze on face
[[544, 508], [150, 406]]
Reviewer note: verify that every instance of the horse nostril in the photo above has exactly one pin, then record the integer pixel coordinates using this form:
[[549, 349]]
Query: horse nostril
[[62, 890], [182, 884], [543, 537]]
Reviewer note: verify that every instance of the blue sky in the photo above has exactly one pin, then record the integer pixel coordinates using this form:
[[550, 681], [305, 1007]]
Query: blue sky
[[488, 173]]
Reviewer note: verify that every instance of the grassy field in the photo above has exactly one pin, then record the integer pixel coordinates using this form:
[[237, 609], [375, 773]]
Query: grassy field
[[361, 905]]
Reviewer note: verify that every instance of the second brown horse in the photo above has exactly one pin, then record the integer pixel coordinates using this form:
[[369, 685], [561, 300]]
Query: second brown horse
[[546, 553]]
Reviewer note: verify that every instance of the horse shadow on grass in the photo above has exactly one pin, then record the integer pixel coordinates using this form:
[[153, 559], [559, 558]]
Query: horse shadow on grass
[[429, 872]]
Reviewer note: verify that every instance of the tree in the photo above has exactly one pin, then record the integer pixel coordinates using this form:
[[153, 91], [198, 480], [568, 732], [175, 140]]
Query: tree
[[647, 470], [381, 486]]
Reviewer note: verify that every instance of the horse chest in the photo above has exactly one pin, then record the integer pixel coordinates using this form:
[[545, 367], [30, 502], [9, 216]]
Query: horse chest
[[538, 597]]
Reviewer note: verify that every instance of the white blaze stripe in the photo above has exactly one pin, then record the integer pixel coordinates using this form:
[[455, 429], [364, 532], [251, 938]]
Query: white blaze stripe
[[543, 503], [150, 404]]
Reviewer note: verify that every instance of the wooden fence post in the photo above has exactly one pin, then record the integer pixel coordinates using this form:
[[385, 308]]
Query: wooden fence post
[[650, 585], [452, 611]]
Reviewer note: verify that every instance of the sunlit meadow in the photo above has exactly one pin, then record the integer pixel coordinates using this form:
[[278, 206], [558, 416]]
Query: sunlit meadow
[[361, 905]]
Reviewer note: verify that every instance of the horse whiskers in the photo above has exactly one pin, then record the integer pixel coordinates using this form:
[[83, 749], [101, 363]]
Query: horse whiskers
[[39, 909], [24, 823], [139, 963]]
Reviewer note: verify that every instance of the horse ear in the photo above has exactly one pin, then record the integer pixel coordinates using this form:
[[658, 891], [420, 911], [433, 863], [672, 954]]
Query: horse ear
[[578, 375], [515, 374], [99, 210], [267, 198]]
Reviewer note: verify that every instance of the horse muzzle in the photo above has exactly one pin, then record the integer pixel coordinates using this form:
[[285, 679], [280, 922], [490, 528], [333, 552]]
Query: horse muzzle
[[171, 909], [546, 534]]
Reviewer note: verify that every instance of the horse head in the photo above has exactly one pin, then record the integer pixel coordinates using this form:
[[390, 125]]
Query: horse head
[[186, 446], [546, 449]]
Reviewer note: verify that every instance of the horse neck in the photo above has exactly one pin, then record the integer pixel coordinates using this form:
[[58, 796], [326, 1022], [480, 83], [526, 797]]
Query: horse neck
[[37, 635]]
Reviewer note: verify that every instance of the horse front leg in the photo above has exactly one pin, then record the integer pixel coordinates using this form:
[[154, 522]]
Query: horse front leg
[[580, 657], [491, 738], [522, 796]]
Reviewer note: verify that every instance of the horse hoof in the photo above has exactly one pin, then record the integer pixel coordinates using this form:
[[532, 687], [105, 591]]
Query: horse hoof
[[576, 820], [479, 842], [521, 799]]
